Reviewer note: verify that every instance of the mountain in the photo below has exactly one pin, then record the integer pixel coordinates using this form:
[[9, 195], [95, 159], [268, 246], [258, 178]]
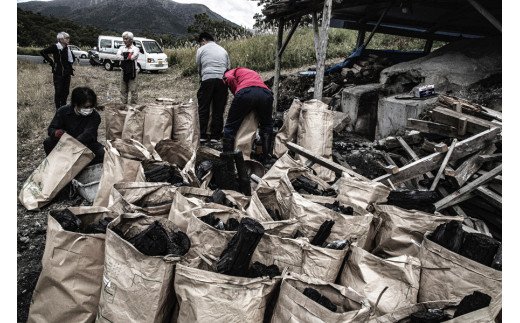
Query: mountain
[[137, 16]]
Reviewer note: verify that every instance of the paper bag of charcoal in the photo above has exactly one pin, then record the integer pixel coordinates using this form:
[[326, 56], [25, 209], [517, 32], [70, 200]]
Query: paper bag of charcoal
[[456, 263], [306, 299], [140, 257], [69, 285]]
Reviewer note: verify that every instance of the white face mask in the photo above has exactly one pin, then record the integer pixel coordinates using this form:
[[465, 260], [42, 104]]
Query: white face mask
[[86, 112]]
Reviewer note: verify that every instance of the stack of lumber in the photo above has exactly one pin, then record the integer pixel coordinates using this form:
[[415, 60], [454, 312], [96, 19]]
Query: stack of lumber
[[366, 69]]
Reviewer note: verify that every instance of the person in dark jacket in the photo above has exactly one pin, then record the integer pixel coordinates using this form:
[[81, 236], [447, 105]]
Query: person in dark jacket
[[251, 94], [80, 120], [61, 63]]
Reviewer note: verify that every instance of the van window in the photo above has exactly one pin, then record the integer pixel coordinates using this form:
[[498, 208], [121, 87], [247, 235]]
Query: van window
[[152, 47], [118, 43], [105, 43], [140, 46]]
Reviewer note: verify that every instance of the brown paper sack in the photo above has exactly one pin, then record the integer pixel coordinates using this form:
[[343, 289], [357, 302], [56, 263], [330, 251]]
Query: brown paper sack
[[289, 129], [64, 162], [362, 193], [206, 296], [152, 199], [186, 126], [246, 134], [480, 316], [117, 168], [134, 123], [369, 275], [449, 276], [299, 256], [115, 115], [135, 287], [402, 231], [315, 134], [281, 166], [72, 271], [293, 306], [157, 125]]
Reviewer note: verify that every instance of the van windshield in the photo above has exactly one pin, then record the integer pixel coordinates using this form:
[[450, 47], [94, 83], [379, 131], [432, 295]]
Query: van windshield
[[152, 47]]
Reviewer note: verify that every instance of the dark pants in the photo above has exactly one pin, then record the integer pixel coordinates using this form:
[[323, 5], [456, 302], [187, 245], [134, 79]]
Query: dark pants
[[61, 90], [95, 147], [246, 100], [213, 94]]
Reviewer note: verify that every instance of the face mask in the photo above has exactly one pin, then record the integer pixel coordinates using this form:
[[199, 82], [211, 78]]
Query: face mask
[[85, 112]]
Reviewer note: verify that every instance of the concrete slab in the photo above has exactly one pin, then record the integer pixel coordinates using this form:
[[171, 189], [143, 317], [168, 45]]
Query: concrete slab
[[360, 104], [392, 114]]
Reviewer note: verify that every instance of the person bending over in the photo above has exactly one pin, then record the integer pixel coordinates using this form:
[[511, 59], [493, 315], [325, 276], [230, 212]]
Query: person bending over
[[80, 120]]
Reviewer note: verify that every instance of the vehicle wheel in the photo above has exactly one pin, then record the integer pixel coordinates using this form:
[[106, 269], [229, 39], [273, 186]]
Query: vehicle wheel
[[108, 65], [83, 56]]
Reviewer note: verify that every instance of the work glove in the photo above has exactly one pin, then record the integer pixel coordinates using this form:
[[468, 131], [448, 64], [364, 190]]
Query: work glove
[[58, 133]]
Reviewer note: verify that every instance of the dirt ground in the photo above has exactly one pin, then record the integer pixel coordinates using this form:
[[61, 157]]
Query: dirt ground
[[35, 109]]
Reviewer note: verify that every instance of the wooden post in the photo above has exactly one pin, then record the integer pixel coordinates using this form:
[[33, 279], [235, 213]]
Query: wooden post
[[316, 33], [443, 165], [322, 49], [428, 46], [277, 65], [486, 14]]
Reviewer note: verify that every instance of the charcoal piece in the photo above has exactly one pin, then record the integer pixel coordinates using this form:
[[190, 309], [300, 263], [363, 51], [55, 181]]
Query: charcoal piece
[[232, 224], [152, 241], [98, 227], [323, 233], [497, 261], [224, 173], [414, 200], [68, 220], [161, 172], [480, 248], [298, 234], [258, 269], [218, 197], [472, 302], [347, 210], [429, 316], [275, 214], [338, 244], [235, 259], [243, 178], [203, 169], [179, 244], [320, 299], [210, 219], [306, 186], [449, 235], [329, 192]]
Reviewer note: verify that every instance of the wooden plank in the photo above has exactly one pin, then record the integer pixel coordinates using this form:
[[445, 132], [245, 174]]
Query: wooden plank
[[391, 169], [428, 163], [322, 49], [428, 146], [469, 167], [443, 165], [431, 127], [469, 107], [462, 192], [289, 36], [329, 164], [277, 66], [487, 158], [462, 126], [490, 196], [451, 118], [482, 10], [441, 147]]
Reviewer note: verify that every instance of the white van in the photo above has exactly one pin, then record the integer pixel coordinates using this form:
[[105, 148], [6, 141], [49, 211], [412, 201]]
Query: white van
[[151, 58]]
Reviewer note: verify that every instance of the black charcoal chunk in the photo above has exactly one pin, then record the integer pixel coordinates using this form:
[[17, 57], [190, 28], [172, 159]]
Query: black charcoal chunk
[[323, 233], [298, 234], [258, 269], [449, 235], [68, 220], [347, 210], [232, 224], [98, 227], [275, 214], [429, 316], [152, 241], [338, 244], [203, 169], [497, 261], [179, 244], [320, 299], [472, 302], [480, 248], [414, 200], [235, 259]]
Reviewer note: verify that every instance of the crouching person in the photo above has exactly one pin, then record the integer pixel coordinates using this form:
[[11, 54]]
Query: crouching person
[[80, 120], [251, 94]]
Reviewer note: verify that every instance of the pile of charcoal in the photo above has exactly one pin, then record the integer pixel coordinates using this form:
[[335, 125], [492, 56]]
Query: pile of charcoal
[[475, 246], [322, 235], [70, 222], [304, 185], [160, 171], [156, 240], [230, 225]]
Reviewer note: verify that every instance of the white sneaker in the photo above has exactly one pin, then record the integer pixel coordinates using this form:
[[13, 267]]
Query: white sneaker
[[214, 141], [203, 141]]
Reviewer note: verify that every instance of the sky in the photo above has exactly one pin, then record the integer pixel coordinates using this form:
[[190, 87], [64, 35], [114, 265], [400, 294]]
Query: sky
[[240, 12]]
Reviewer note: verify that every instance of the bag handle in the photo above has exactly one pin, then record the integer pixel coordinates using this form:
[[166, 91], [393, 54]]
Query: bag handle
[[68, 250]]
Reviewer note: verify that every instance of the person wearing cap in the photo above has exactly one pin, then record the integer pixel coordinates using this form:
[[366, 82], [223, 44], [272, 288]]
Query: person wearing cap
[[62, 70], [78, 119], [251, 94], [212, 61], [128, 54]]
